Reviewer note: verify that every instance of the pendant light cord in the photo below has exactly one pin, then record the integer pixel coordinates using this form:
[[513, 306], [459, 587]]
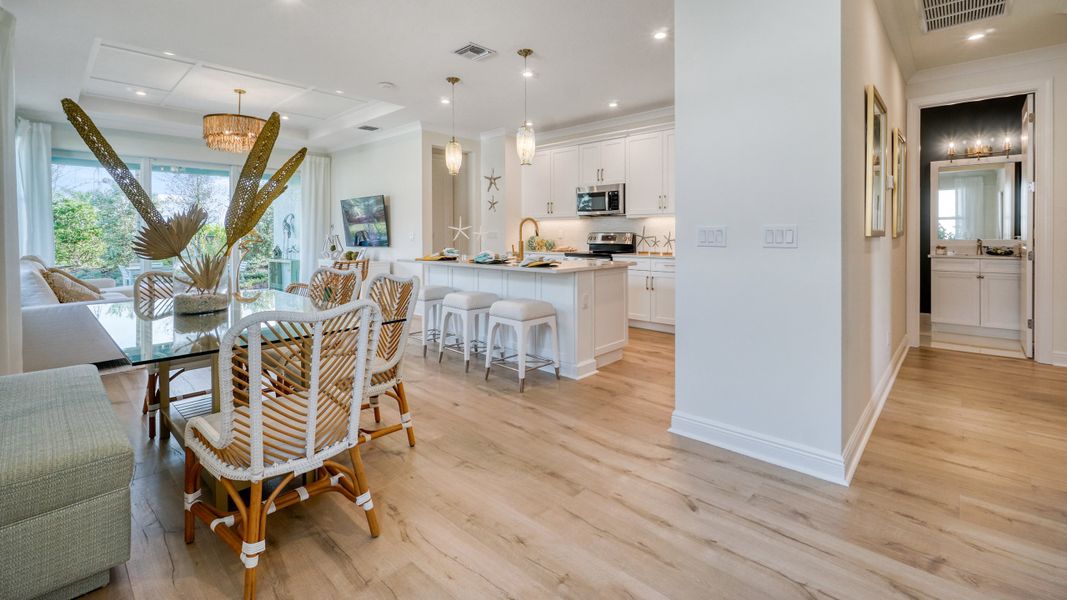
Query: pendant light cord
[[453, 103], [525, 83]]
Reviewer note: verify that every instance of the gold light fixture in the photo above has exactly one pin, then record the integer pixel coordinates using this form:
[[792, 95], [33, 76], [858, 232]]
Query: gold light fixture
[[453, 151], [232, 132], [524, 137]]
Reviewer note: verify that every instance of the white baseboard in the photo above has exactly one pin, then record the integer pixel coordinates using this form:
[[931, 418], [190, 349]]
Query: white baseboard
[[797, 457], [862, 431], [1059, 359], [660, 327]]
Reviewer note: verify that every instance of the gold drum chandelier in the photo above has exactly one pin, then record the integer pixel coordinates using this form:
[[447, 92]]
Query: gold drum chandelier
[[232, 132]]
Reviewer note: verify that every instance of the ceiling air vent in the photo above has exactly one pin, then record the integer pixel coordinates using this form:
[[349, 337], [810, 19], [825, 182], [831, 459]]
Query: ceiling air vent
[[942, 14], [368, 128], [474, 51]]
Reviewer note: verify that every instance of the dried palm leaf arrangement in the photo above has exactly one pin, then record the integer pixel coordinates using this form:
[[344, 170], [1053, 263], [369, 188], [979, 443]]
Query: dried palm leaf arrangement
[[168, 237]]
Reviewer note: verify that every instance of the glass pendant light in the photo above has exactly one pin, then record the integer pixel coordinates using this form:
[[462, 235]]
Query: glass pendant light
[[524, 137], [453, 151]]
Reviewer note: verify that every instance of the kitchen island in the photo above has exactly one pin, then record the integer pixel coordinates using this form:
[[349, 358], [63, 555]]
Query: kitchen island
[[589, 296]]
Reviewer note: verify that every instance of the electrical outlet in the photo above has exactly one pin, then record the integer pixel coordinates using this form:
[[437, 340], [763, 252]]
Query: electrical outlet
[[779, 236], [711, 237]]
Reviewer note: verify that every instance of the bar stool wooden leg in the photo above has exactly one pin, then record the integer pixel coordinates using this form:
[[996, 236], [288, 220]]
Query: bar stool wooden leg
[[520, 345], [555, 344], [445, 320], [490, 343], [470, 324]]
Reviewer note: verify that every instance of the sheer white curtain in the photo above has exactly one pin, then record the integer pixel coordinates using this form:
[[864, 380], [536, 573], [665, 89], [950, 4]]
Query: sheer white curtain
[[316, 203], [970, 199], [10, 310], [33, 181]]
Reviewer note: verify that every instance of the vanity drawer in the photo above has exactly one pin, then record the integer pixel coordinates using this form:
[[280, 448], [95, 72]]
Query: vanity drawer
[[956, 265], [1001, 266]]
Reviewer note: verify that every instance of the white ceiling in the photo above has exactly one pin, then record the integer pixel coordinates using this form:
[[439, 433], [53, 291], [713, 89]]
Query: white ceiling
[[294, 55], [1027, 24]]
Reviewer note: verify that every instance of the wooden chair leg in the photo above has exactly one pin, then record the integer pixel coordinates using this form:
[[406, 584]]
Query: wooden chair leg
[[377, 411], [192, 487], [364, 490], [149, 394], [405, 413], [252, 536]]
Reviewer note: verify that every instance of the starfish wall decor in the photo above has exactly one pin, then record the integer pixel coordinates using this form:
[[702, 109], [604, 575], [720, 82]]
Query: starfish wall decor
[[492, 178], [460, 230], [492, 203]]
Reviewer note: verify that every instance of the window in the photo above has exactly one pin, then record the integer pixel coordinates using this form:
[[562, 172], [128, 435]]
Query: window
[[93, 222], [947, 215]]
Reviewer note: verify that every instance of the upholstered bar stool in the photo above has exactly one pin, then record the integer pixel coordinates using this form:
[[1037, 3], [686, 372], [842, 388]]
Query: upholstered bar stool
[[468, 308], [522, 315], [432, 298]]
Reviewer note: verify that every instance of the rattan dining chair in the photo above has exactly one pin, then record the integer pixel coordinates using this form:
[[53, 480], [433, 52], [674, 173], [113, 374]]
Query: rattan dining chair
[[269, 431], [363, 264], [329, 287], [396, 297], [153, 297]]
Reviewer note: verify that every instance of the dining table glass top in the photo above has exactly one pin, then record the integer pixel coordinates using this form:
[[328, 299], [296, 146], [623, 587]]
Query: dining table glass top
[[154, 333]]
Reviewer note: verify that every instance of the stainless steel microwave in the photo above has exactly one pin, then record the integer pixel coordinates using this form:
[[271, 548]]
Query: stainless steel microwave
[[602, 200]]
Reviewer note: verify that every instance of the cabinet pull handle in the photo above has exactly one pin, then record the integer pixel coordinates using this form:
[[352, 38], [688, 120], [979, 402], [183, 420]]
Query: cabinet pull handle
[[646, 283], [981, 277], [653, 283]]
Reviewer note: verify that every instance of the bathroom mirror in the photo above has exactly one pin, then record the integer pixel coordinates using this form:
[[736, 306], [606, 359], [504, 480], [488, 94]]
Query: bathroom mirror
[[877, 128], [973, 201]]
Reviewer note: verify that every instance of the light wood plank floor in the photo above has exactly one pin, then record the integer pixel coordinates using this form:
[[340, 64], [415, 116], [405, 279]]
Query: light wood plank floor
[[575, 489]]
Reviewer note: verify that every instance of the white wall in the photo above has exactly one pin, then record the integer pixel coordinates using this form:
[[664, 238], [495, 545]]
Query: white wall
[[10, 313], [875, 269], [758, 121], [391, 167], [1020, 72]]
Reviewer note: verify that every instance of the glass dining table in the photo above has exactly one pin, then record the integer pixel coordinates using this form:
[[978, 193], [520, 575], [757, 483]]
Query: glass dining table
[[149, 334]]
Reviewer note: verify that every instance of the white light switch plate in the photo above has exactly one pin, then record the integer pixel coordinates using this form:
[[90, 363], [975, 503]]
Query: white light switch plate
[[779, 236], [711, 237]]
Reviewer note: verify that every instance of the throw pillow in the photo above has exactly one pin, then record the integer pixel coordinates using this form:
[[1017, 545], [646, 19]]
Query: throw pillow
[[75, 279], [68, 289]]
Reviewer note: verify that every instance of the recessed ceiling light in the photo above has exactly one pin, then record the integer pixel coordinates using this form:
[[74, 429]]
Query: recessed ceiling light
[[975, 36], [445, 101], [338, 92], [527, 73], [613, 104], [285, 117], [168, 53], [660, 35], [386, 85], [141, 93]]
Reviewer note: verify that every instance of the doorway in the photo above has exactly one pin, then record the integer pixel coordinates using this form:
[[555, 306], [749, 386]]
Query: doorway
[[976, 221], [452, 204]]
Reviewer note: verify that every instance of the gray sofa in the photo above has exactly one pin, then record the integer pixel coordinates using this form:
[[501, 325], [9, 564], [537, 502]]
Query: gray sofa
[[65, 471]]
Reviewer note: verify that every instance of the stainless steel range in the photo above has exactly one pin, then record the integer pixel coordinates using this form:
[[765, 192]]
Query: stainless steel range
[[604, 244]]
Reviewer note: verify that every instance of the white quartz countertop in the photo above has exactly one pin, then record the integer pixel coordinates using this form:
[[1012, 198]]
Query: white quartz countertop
[[974, 256], [565, 267]]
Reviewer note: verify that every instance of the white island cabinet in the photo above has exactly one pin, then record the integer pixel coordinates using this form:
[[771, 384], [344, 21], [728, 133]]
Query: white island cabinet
[[589, 297]]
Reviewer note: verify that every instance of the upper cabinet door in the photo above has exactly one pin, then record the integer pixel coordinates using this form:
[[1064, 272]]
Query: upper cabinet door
[[613, 161], [668, 172], [590, 161], [644, 174], [566, 178], [536, 186]]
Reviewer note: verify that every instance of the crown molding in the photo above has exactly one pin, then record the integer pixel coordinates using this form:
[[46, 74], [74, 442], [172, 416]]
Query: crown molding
[[1006, 61], [648, 117]]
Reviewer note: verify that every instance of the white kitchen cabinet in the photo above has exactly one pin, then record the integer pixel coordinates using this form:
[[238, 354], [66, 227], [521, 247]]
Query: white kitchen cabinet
[[639, 300], [603, 162], [975, 296], [537, 186], [565, 178], [662, 284], [650, 173], [650, 291]]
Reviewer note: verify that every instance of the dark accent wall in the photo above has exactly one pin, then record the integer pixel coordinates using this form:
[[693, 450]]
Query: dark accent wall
[[993, 118]]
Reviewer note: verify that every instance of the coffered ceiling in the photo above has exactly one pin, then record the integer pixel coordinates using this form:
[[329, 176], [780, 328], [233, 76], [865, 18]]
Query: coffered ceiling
[[156, 65]]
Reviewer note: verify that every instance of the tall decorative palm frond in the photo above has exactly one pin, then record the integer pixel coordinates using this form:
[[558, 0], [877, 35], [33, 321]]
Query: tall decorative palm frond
[[164, 238], [111, 161]]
